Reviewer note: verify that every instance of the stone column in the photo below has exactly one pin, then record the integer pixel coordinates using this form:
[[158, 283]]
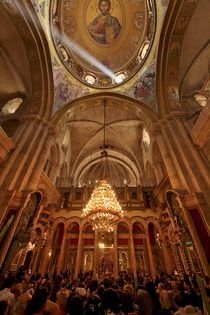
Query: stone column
[[40, 161], [185, 202], [182, 255], [161, 136], [158, 173], [150, 255], [95, 257], [10, 246], [116, 271], [196, 161], [132, 251], [36, 256], [62, 253], [165, 255], [79, 253], [45, 258], [66, 253]]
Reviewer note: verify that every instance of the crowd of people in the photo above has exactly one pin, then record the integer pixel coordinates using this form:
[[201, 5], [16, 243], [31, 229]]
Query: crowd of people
[[63, 295]]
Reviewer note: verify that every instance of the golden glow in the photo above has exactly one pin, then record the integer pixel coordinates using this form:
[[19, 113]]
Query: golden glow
[[103, 210]]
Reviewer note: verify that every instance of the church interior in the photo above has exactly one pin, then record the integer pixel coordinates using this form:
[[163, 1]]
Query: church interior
[[105, 136]]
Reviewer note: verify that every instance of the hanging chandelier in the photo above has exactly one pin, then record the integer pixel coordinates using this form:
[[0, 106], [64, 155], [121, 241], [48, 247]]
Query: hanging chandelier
[[103, 210]]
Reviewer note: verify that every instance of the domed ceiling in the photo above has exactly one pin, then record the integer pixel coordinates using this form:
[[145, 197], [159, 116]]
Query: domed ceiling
[[88, 53], [101, 42]]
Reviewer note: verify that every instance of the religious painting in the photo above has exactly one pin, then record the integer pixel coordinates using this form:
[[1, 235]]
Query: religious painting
[[105, 28], [88, 260], [97, 39]]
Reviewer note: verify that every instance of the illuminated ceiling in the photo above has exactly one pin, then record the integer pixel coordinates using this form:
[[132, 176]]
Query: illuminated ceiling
[[130, 54], [103, 45]]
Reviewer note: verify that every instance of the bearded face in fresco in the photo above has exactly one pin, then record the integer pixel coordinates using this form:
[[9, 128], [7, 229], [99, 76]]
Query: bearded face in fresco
[[104, 29]]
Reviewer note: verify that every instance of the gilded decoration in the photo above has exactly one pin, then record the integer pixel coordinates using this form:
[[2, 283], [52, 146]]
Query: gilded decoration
[[103, 43]]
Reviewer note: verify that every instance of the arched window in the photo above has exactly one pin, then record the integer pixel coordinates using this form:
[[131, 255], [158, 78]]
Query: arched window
[[11, 106]]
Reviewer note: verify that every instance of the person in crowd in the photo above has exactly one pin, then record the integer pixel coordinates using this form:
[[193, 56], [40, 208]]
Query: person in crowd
[[144, 301], [128, 305], [111, 302], [4, 307], [75, 305], [85, 295], [56, 287], [51, 307], [36, 306], [94, 305], [6, 294], [165, 298]]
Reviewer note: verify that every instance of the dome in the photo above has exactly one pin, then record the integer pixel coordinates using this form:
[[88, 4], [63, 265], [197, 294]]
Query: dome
[[103, 43]]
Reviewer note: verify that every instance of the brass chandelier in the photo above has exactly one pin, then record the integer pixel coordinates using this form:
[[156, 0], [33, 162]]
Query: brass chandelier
[[103, 209]]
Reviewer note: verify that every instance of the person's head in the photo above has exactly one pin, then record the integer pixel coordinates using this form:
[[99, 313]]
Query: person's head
[[74, 305], [127, 302], [93, 286], [182, 299], [9, 282], [111, 300], [38, 302], [94, 306], [161, 287], [128, 288], [100, 291], [104, 6]]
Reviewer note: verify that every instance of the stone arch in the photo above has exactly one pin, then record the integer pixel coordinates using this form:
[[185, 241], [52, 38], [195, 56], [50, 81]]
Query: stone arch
[[88, 228], [138, 227], [35, 85], [122, 228], [74, 227], [147, 112], [119, 158], [171, 40]]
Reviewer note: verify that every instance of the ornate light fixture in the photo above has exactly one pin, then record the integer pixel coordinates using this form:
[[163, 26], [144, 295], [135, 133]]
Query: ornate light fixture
[[103, 210]]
